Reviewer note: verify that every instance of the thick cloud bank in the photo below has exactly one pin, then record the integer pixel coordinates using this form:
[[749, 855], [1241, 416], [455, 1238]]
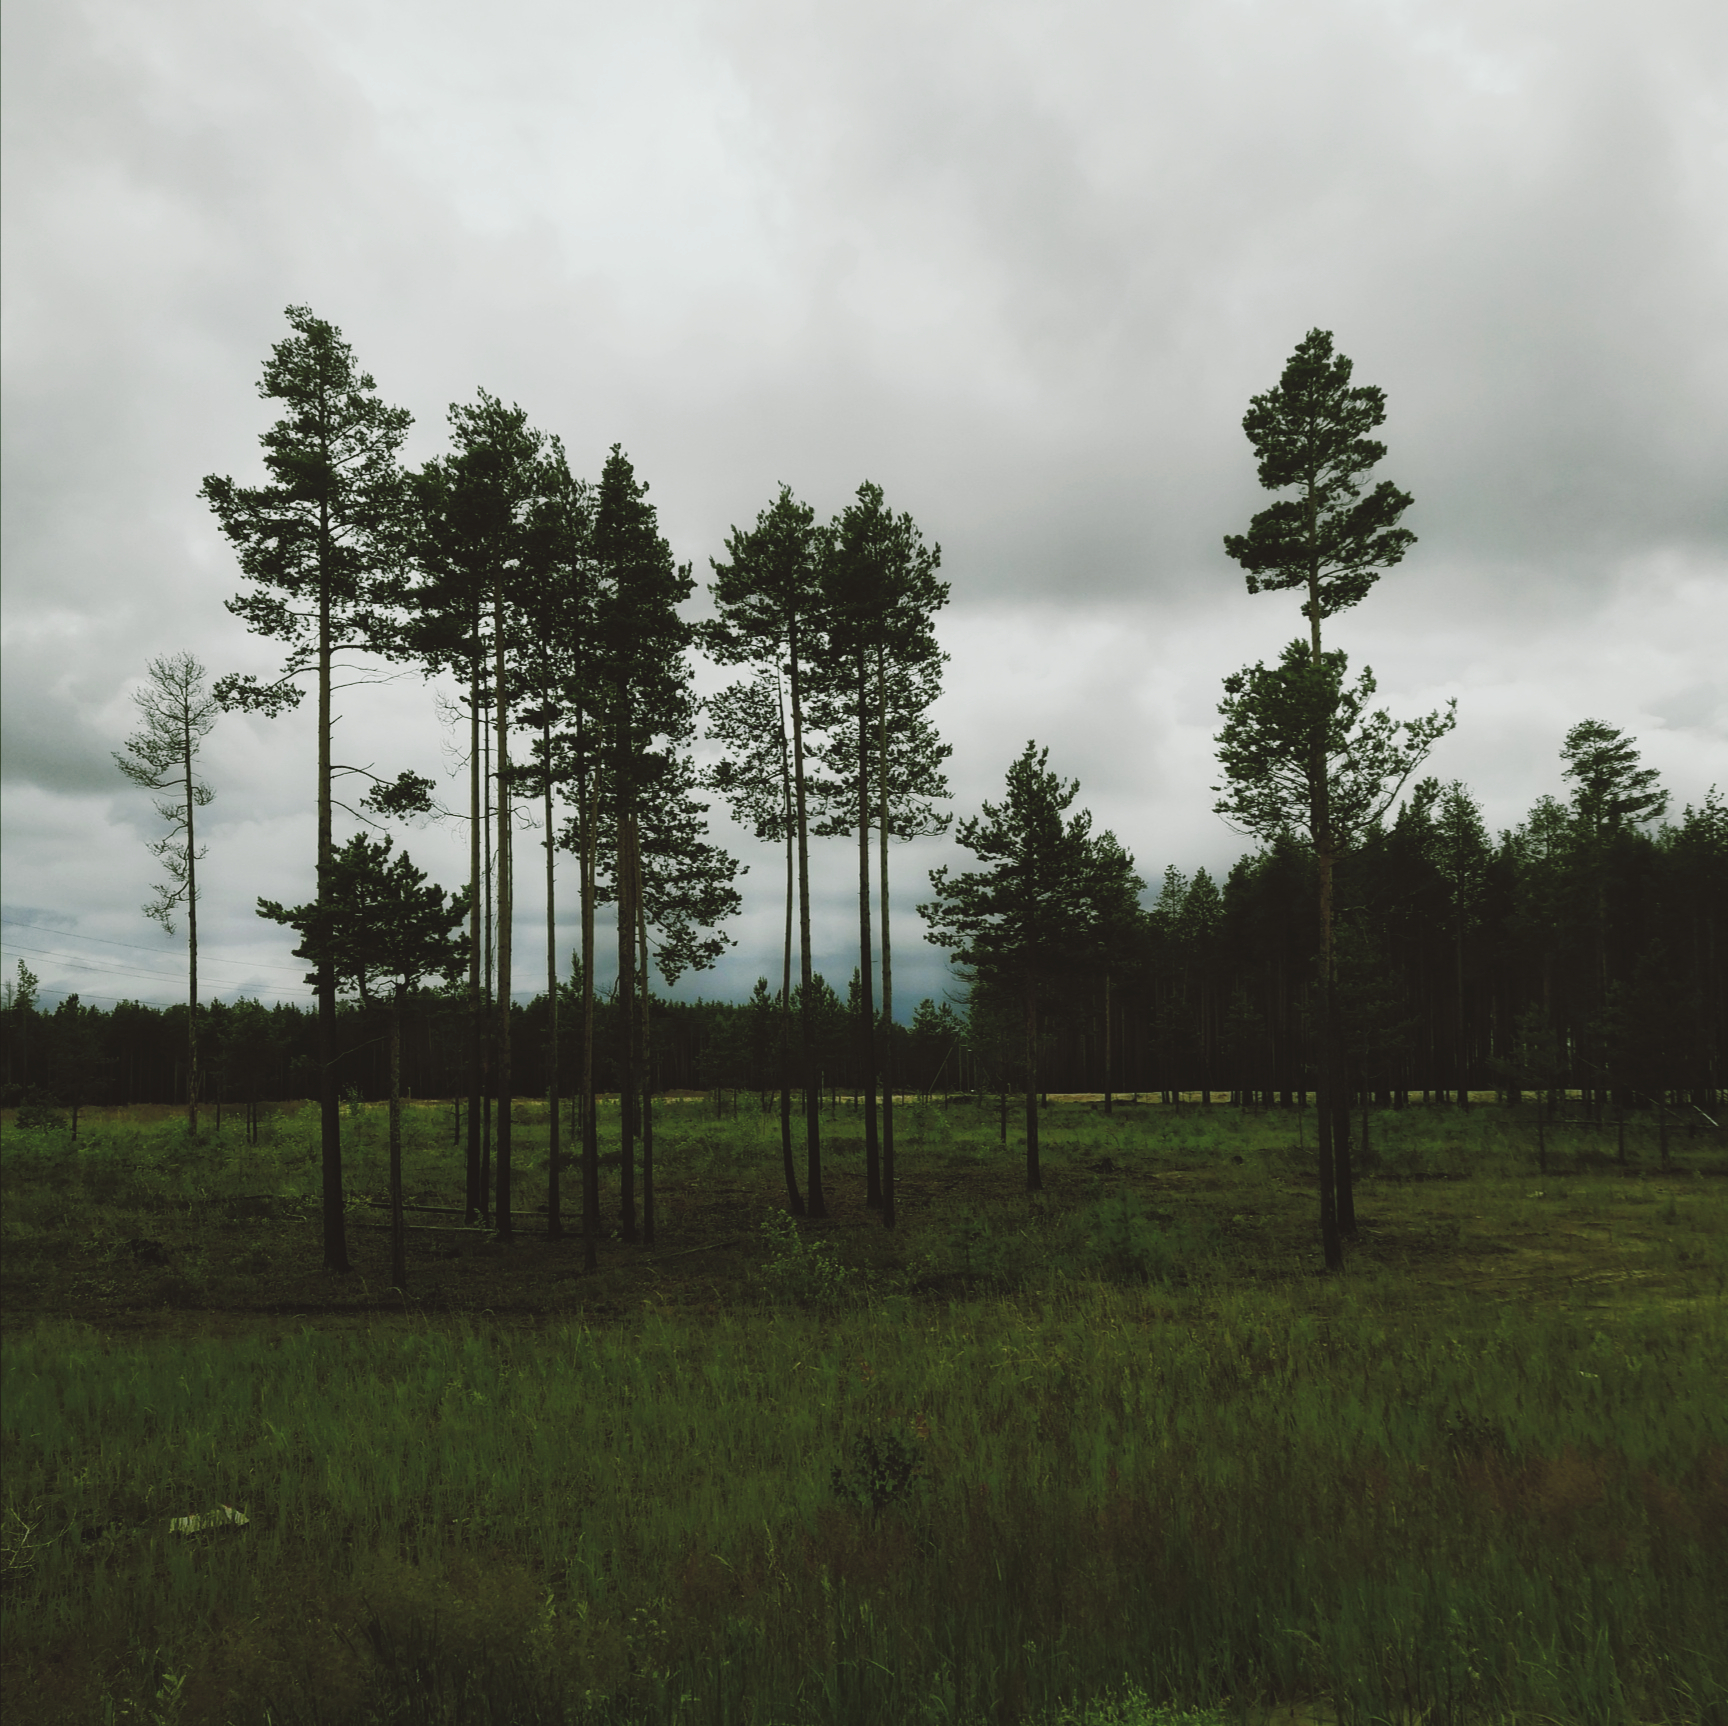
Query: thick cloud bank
[[1022, 265]]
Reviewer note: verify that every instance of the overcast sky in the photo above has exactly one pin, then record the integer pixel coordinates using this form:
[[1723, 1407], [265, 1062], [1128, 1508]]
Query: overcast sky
[[1023, 265]]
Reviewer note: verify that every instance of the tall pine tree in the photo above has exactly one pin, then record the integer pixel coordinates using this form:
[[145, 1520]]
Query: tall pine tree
[[322, 542], [1329, 542], [879, 675], [769, 614], [650, 717]]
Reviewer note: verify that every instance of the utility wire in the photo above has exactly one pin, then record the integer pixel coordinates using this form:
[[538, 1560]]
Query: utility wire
[[91, 965], [134, 946], [113, 1000]]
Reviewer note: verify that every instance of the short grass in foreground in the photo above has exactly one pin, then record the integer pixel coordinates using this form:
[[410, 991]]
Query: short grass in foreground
[[1114, 1451]]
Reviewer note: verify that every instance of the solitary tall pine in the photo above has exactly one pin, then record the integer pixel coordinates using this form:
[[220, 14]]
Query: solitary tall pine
[[1329, 542]]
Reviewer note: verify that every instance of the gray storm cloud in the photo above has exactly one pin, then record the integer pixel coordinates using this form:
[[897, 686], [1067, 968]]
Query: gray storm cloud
[[1021, 264]]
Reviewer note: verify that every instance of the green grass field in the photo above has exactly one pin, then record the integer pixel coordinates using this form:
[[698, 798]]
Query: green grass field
[[1116, 1453]]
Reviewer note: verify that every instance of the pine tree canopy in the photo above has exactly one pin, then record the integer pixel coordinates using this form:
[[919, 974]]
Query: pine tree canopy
[[1310, 434]]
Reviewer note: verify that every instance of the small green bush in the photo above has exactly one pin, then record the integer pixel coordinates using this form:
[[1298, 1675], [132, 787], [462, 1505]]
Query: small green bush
[[804, 1272], [880, 1469], [39, 1118]]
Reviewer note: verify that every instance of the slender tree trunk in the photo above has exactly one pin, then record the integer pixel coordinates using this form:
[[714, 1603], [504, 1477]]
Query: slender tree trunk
[[1458, 1012], [1109, 1099], [794, 1198], [640, 898], [489, 1040], [866, 1030], [477, 893], [590, 1112], [626, 993], [888, 1213], [191, 939], [398, 1230], [506, 918], [1343, 1171], [1034, 1176], [816, 1206], [554, 1220], [1320, 791], [1326, 1077], [329, 1114]]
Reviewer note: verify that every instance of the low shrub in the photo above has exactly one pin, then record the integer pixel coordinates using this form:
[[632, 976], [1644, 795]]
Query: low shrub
[[39, 1118], [880, 1469], [804, 1272]]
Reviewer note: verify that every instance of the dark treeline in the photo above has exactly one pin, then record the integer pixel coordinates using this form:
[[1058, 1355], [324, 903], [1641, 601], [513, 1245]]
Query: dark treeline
[[1569, 954], [1575, 952], [75, 1056]]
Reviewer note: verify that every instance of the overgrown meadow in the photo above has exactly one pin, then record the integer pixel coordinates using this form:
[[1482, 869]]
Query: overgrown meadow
[[1116, 1452]]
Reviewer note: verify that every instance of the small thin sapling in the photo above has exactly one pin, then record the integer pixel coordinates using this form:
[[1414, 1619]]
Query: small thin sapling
[[177, 714]]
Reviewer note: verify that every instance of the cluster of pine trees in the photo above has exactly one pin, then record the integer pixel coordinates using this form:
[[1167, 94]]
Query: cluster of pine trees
[[552, 604], [1377, 943]]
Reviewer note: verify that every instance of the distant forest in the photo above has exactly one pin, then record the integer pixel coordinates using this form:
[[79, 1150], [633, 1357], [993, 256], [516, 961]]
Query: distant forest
[[1555, 957]]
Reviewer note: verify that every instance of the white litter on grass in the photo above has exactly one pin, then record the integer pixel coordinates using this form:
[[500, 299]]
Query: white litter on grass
[[223, 1516]]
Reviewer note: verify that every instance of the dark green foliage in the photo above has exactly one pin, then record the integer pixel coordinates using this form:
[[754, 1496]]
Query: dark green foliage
[[1041, 916], [406, 795], [380, 923], [1610, 790], [1033, 915], [880, 597], [665, 874], [1532, 955], [39, 1117], [1302, 750], [880, 1469], [648, 721], [324, 538], [1310, 434], [1282, 740], [878, 677], [687, 880], [768, 597], [748, 721]]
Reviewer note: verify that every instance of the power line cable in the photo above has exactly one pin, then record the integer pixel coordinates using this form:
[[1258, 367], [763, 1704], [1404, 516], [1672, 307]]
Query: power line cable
[[88, 963], [115, 1000], [134, 946]]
